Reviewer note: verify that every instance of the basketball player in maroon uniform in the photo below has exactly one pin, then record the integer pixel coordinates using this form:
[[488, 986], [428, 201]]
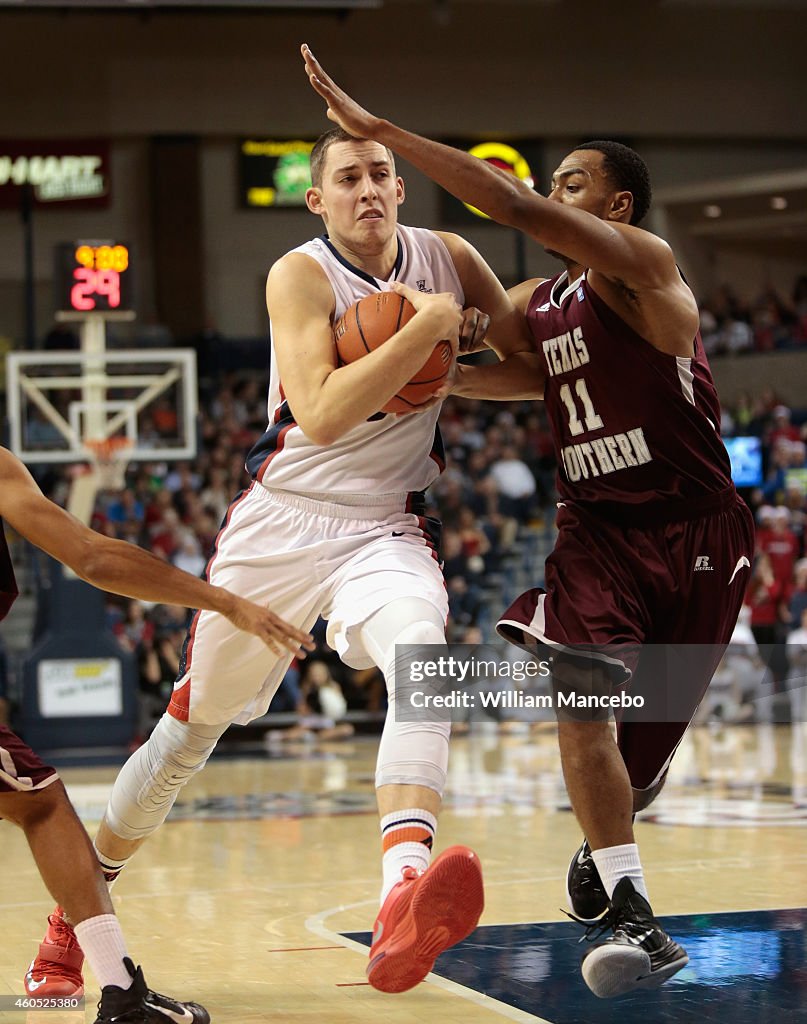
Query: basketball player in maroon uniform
[[654, 545], [31, 794]]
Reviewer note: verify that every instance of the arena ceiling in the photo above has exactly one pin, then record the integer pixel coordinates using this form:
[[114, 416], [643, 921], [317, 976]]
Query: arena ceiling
[[766, 213]]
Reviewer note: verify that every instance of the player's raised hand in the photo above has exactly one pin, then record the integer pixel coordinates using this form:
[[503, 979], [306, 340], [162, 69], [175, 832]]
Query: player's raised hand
[[345, 111], [275, 632]]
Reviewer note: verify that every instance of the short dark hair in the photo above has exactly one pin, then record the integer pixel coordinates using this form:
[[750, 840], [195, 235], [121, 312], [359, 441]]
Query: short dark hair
[[324, 143], [626, 171]]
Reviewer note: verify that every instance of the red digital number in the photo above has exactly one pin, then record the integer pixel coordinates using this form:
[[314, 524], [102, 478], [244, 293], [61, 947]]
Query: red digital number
[[81, 293], [107, 282], [90, 283]]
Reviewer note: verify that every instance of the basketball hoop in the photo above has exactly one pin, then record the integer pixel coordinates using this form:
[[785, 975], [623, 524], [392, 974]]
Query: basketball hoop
[[109, 461]]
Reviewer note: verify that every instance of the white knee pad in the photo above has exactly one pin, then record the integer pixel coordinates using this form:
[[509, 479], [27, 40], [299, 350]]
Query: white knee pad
[[410, 753], [413, 754], [149, 782]]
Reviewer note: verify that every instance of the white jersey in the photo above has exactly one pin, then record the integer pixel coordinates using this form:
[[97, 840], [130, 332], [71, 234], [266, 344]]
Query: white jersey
[[386, 454]]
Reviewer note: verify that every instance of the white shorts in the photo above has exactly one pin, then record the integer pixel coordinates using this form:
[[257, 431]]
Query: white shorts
[[303, 559]]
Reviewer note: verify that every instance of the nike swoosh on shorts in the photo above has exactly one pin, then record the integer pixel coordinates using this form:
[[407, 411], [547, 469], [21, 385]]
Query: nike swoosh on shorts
[[741, 561]]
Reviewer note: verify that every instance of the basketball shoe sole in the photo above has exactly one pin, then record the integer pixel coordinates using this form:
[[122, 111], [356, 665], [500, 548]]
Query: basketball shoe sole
[[423, 916]]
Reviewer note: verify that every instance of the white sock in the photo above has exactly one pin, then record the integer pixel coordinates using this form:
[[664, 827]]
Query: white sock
[[111, 868], [615, 862], [407, 838], [102, 942]]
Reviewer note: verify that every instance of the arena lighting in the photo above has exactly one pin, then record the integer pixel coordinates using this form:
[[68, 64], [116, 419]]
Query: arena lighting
[[504, 157], [712, 210], [778, 203]]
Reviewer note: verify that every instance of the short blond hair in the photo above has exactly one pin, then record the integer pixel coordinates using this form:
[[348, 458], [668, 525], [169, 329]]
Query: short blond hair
[[324, 143]]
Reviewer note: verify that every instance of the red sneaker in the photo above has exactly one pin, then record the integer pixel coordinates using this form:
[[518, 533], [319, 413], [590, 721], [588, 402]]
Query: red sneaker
[[56, 971], [423, 916]]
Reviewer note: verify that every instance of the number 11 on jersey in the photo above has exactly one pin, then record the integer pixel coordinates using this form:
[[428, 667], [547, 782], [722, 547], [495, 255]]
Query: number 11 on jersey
[[591, 419]]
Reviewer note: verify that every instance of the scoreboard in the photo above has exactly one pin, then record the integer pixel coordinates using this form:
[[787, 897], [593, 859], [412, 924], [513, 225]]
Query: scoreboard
[[93, 277]]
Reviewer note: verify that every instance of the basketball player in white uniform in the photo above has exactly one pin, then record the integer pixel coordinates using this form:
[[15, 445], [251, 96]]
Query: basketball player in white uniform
[[332, 526]]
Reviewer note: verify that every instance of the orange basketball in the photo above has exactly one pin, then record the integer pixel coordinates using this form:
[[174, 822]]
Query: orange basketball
[[373, 320]]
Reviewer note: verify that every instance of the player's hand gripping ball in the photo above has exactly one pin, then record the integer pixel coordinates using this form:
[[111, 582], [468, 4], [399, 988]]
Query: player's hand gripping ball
[[373, 320]]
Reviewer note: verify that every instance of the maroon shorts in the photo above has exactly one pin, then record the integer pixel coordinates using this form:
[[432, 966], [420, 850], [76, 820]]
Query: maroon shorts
[[656, 602], [21, 770]]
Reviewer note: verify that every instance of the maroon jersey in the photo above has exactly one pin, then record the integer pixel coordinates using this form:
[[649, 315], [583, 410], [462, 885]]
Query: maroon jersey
[[8, 582], [631, 425], [21, 770]]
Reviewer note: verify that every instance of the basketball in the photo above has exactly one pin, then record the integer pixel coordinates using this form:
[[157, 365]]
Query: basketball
[[373, 320]]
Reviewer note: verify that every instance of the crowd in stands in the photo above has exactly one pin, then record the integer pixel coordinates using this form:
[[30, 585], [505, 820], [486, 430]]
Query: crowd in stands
[[734, 326], [498, 487]]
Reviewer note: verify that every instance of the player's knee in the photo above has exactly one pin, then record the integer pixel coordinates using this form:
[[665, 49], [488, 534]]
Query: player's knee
[[414, 754], [581, 739], [32, 808], [421, 632], [184, 746], [407, 644], [151, 779]]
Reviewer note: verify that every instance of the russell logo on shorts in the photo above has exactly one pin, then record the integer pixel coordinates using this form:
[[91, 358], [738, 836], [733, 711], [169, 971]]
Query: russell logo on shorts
[[702, 564]]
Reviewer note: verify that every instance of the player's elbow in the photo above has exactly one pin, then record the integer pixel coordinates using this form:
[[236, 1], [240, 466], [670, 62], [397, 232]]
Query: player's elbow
[[319, 430], [91, 568], [94, 562], [323, 438]]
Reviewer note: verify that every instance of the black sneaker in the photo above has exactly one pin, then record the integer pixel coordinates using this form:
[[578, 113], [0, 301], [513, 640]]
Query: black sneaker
[[139, 1005], [639, 954], [585, 893]]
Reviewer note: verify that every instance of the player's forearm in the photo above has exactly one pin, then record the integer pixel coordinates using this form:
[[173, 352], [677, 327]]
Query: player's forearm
[[519, 377], [122, 568], [351, 394], [467, 177]]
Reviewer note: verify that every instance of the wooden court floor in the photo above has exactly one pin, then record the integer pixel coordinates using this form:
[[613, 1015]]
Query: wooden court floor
[[242, 900]]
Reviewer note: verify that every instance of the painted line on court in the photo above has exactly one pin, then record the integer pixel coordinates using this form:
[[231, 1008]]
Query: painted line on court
[[301, 949], [316, 924]]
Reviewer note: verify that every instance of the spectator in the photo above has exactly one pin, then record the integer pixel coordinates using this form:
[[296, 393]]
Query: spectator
[[188, 555], [773, 322], [463, 591], [135, 628], [780, 544], [61, 338], [126, 509], [515, 484], [216, 494], [800, 308], [159, 664], [798, 595], [782, 427], [797, 669], [167, 536], [289, 697]]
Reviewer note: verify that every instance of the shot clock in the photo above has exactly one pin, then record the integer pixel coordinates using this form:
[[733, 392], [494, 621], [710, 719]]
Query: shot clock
[[93, 277]]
